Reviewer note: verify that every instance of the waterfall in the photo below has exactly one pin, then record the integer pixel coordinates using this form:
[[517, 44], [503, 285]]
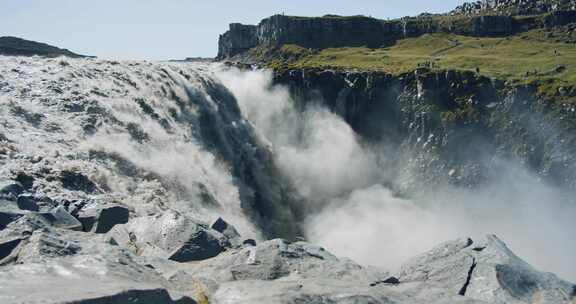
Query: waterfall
[[154, 136], [210, 141]]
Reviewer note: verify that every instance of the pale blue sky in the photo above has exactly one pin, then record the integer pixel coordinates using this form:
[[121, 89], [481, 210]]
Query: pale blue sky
[[170, 29]]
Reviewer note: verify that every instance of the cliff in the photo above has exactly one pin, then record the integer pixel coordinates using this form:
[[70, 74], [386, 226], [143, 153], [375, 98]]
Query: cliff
[[335, 31], [485, 81], [450, 126], [515, 7], [240, 38], [13, 46]]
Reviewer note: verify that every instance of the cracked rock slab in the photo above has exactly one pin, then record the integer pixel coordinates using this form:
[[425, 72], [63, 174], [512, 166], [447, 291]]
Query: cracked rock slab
[[82, 280]]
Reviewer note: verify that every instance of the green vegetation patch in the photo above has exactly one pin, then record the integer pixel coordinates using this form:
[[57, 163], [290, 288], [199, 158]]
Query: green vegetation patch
[[531, 57]]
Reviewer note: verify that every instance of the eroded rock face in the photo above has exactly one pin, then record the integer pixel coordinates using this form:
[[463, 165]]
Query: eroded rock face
[[515, 7], [481, 19], [473, 117], [240, 38]]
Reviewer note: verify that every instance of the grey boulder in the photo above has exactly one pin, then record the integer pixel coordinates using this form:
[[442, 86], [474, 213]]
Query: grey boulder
[[60, 218], [485, 271], [460, 271], [228, 231], [84, 280], [10, 189], [102, 218], [27, 202], [172, 236], [277, 265], [57, 217]]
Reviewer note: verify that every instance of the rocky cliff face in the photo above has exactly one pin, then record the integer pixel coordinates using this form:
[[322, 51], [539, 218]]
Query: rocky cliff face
[[325, 32], [455, 121], [335, 31], [330, 31], [240, 38], [515, 7]]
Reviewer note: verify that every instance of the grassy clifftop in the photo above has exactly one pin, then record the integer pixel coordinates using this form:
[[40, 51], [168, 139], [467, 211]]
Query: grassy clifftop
[[539, 56]]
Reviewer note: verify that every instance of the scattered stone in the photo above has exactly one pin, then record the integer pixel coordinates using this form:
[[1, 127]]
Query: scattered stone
[[85, 280], [8, 213], [25, 180], [27, 202], [10, 189], [228, 231], [249, 242], [172, 236], [276, 259], [46, 244], [77, 182], [60, 218], [7, 247], [101, 219], [202, 244], [390, 281]]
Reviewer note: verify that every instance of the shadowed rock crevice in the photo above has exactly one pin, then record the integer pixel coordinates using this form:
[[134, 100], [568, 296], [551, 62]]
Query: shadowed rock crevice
[[6, 248], [77, 182], [462, 291]]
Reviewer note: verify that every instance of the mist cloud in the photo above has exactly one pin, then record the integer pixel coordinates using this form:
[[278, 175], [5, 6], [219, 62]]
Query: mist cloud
[[362, 219]]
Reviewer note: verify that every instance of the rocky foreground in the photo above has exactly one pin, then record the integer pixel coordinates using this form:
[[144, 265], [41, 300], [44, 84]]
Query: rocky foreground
[[86, 216], [170, 258], [136, 264]]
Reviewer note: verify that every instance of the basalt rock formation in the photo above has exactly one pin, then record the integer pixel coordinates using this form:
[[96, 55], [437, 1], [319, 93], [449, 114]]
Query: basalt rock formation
[[457, 119], [484, 19], [515, 7]]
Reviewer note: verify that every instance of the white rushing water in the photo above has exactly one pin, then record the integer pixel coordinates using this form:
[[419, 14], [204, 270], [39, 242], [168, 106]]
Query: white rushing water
[[143, 117]]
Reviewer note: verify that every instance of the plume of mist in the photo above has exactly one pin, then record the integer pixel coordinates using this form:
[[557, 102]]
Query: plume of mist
[[362, 219], [315, 148]]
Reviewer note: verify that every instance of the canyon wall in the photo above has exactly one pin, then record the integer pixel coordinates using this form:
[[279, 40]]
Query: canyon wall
[[459, 124], [336, 31]]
